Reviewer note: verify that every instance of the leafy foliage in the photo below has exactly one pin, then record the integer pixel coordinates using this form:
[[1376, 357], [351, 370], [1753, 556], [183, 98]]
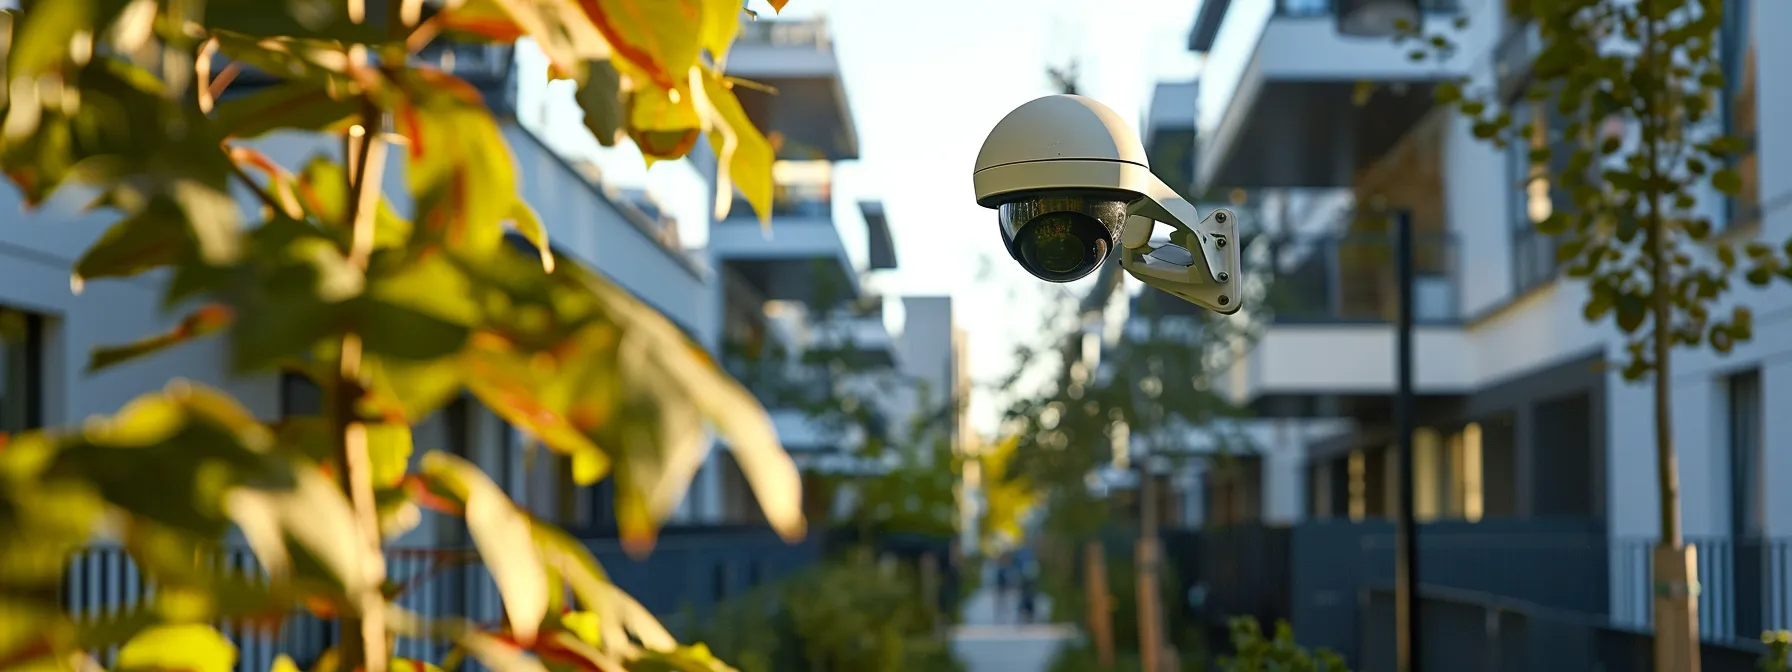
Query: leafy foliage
[[1257, 653], [393, 314], [849, 613], [1779, 651], [1637, 150]]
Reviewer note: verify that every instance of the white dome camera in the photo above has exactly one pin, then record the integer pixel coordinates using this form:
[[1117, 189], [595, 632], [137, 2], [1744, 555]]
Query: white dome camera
[[1069, 181]]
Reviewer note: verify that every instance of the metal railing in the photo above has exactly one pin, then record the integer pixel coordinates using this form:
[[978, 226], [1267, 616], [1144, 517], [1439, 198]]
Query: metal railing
[[1745, 585], [1352, 277], [1309, 8], [688, 569], [779, 383], [786, 33]]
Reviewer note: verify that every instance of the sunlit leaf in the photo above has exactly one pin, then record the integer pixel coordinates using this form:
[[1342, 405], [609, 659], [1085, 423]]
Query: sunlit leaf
[[389, 451], [502, 534], [655, 41], [563, 32], [460, 171], [744, 156], [315, 514], [178, 648]]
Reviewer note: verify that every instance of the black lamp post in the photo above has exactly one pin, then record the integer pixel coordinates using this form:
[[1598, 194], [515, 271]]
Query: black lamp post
[[1377, 18], [1406, 558]]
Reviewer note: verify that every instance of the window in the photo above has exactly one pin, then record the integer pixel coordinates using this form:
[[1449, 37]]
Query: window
[[1740, 120], [1533, 195], [21, 370], [1748, 503]]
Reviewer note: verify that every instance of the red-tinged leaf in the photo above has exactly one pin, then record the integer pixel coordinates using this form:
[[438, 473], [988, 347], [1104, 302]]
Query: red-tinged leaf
[[206, 320], [744, 156], [461, 173], [778, 5], [559, 27], [502, 533], [658, 40]]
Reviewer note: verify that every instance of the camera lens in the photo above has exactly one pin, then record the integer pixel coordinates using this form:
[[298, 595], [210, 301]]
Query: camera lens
[[1062, 246], [1061, 237]]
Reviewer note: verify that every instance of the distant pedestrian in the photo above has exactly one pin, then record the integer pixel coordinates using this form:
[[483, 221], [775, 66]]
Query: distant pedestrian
[[1005, 584], [1028, 568]]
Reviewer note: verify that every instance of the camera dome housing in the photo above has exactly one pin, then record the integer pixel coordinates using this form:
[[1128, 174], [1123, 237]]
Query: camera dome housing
[[1071, 185], [1060, 142]]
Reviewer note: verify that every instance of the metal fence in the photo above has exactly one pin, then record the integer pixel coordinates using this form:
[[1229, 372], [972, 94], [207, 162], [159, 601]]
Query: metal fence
[[694, 571], [1745, 585]]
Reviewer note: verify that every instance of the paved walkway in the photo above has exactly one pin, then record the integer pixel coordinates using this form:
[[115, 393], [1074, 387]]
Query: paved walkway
[[993, 639]]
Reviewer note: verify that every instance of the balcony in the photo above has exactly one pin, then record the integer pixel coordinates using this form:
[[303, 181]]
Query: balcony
[[1350, 278], [1331, 306], [792, 394], [486, 66], [1277, 104], [800, 258], [1170, 133], [808, 117]]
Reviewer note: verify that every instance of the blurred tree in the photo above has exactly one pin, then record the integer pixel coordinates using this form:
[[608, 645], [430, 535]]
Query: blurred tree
[[1629, 120], [391, 313]]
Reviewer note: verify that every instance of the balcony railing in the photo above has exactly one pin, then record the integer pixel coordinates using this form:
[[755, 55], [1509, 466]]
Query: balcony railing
[[1352, 278], [790, 201], [778, 383], [784, 33], [1311, 8], [696, 568]]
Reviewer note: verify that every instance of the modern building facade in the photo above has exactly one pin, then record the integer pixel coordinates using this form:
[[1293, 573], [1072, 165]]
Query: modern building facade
[[1527, 439]]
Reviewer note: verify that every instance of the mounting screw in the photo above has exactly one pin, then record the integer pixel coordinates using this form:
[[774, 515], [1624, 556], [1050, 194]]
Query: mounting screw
[[1224, 299], [1220, 241], [1220, 216], [1224, 276]]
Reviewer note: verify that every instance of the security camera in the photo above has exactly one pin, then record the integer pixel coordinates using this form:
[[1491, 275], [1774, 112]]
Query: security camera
[[1069, 182]]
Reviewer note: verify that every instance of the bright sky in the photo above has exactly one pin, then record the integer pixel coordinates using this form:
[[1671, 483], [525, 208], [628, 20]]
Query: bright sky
[[925, 87]]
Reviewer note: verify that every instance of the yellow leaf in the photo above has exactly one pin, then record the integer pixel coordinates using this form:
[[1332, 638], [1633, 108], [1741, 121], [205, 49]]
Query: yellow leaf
[[190, 648], [721, 23], [562, 31], [660, 39], [283, 663], [524, 219], [389, 448], [743, 155], [503, 535], [588, 466], [664, 123]]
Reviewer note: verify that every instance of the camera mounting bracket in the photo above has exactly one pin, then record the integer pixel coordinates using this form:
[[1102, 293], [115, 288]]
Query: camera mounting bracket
[[1201, 264]]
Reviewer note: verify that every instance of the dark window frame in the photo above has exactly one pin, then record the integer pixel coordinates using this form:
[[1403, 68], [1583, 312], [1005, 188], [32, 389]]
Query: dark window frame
[[1736, 38], [1745, 426], [26, 362]]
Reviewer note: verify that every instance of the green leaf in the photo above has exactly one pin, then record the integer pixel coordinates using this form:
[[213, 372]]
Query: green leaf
[[43, 38], [601, 99], [389, 450], [1727, 181], [299, 106], [402, 333], [202, 322], [502, 533], [153, 238], [1632, 311], [323, 192], [460, 171], [408, 391], [183, 648]]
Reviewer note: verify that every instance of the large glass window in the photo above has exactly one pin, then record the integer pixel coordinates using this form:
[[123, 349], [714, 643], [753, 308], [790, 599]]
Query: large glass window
[[1748, 514], [21, 370], [1743, 110], [1534, 196]]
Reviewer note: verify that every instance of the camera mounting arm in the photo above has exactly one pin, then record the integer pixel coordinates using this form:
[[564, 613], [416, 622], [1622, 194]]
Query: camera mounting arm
[[1201, 263]]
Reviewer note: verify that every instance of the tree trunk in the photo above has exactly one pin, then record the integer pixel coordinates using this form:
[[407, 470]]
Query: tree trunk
[[1101, 623], [1675, 564]]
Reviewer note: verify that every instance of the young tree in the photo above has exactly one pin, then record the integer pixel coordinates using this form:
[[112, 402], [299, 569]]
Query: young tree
[[1636, 148], [391, 313]]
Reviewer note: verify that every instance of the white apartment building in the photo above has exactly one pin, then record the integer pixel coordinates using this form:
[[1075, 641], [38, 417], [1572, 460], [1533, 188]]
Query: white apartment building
[[1519, 422]]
